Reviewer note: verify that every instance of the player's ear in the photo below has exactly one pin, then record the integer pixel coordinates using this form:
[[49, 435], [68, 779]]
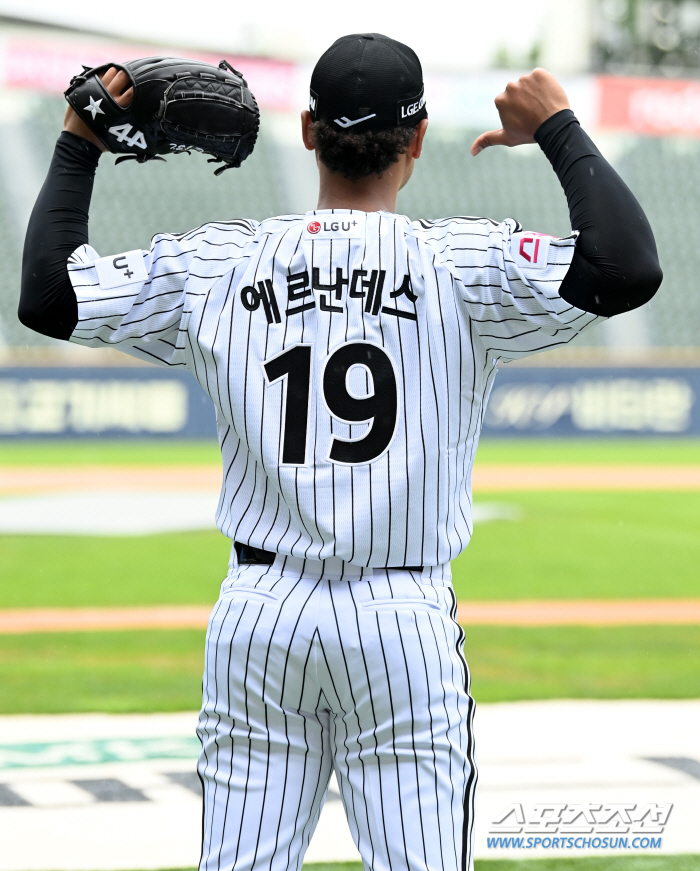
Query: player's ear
[[306, 133], [416, 145]]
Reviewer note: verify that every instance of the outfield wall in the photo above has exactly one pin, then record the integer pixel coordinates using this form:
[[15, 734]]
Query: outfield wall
[[66, 402], [69, 402]]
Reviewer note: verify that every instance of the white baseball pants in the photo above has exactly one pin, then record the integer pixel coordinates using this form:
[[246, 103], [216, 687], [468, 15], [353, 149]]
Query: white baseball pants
[[305, 675]]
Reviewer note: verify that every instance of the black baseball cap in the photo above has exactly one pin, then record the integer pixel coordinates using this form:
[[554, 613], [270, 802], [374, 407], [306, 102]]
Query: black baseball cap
[[367, 81]]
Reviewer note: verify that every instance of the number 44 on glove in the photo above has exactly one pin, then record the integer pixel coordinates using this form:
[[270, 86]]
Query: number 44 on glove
[[178, 105]]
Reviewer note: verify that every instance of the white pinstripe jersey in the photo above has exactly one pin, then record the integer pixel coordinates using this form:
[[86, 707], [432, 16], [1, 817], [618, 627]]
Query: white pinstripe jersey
[[349, 356]]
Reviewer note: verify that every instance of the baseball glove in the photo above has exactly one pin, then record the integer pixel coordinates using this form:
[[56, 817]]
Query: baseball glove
[[179, 105]]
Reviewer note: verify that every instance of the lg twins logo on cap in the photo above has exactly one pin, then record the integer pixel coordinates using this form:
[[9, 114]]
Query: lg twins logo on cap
[[406, 109], [313, 227], [530, 250]]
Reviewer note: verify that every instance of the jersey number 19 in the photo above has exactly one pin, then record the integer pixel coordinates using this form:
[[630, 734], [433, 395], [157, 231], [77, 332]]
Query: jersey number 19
[[379, 409]]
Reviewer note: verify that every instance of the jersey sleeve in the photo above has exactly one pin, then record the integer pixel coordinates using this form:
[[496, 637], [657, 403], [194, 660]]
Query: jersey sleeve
[[134, 301], [509, 280]]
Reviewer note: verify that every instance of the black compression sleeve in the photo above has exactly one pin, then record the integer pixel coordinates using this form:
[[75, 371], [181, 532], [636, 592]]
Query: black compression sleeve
[[615, 267], [58, 225]]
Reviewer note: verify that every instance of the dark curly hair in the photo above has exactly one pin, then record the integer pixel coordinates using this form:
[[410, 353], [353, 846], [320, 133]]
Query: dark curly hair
[[357, 155]]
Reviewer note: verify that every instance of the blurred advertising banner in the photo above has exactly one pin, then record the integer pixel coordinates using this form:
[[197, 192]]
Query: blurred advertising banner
[[656, 107], [69, 403], [48, 66], [66, 402], [642, 106], [575, 402]]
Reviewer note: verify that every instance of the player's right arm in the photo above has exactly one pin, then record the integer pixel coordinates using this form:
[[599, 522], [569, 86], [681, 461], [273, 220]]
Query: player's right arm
[[615, 265], [68, 292]]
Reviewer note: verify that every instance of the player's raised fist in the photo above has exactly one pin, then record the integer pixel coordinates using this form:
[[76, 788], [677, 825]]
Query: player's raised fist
[[522, 107]]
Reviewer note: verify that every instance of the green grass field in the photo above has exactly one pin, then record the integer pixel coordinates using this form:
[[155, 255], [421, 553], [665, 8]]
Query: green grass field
[[590, 863], [69, 571], [581, 545], [593, 863], [115, 672], [161, 670], [565, 545], [121, 452], [582, 450], [491, 450], [597, 863]]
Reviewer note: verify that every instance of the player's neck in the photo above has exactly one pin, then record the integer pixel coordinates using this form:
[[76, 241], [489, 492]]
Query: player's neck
[[372, 194]]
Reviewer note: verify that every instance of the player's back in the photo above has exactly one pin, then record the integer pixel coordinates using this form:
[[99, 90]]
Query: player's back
[[349, 391], [349, 356]]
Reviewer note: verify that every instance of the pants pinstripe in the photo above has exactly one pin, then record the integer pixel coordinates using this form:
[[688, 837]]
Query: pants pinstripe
[[306, 675]]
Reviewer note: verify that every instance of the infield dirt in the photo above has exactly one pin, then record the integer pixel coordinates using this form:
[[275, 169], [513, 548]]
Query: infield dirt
[[550, 612], [486, 478]]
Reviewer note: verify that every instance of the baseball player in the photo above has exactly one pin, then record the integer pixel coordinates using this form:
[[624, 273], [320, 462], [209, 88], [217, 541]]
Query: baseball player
[[349, 353]]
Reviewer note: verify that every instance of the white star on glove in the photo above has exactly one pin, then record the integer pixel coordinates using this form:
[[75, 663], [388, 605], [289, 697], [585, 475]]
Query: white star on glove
[[94, 107]]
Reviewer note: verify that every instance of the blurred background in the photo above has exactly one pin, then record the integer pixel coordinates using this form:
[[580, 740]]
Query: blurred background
[[631, 67], [587, 480]]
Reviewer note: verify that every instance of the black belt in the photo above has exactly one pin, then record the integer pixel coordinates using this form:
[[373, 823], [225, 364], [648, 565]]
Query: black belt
[[250, 556]]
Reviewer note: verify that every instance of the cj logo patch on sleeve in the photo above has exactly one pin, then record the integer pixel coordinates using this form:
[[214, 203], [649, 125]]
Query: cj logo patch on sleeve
[[530, 250], [121, 269]]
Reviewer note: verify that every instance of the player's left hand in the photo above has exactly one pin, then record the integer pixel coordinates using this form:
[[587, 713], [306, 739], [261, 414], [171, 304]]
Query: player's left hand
[[119, 87], [522, 107]]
